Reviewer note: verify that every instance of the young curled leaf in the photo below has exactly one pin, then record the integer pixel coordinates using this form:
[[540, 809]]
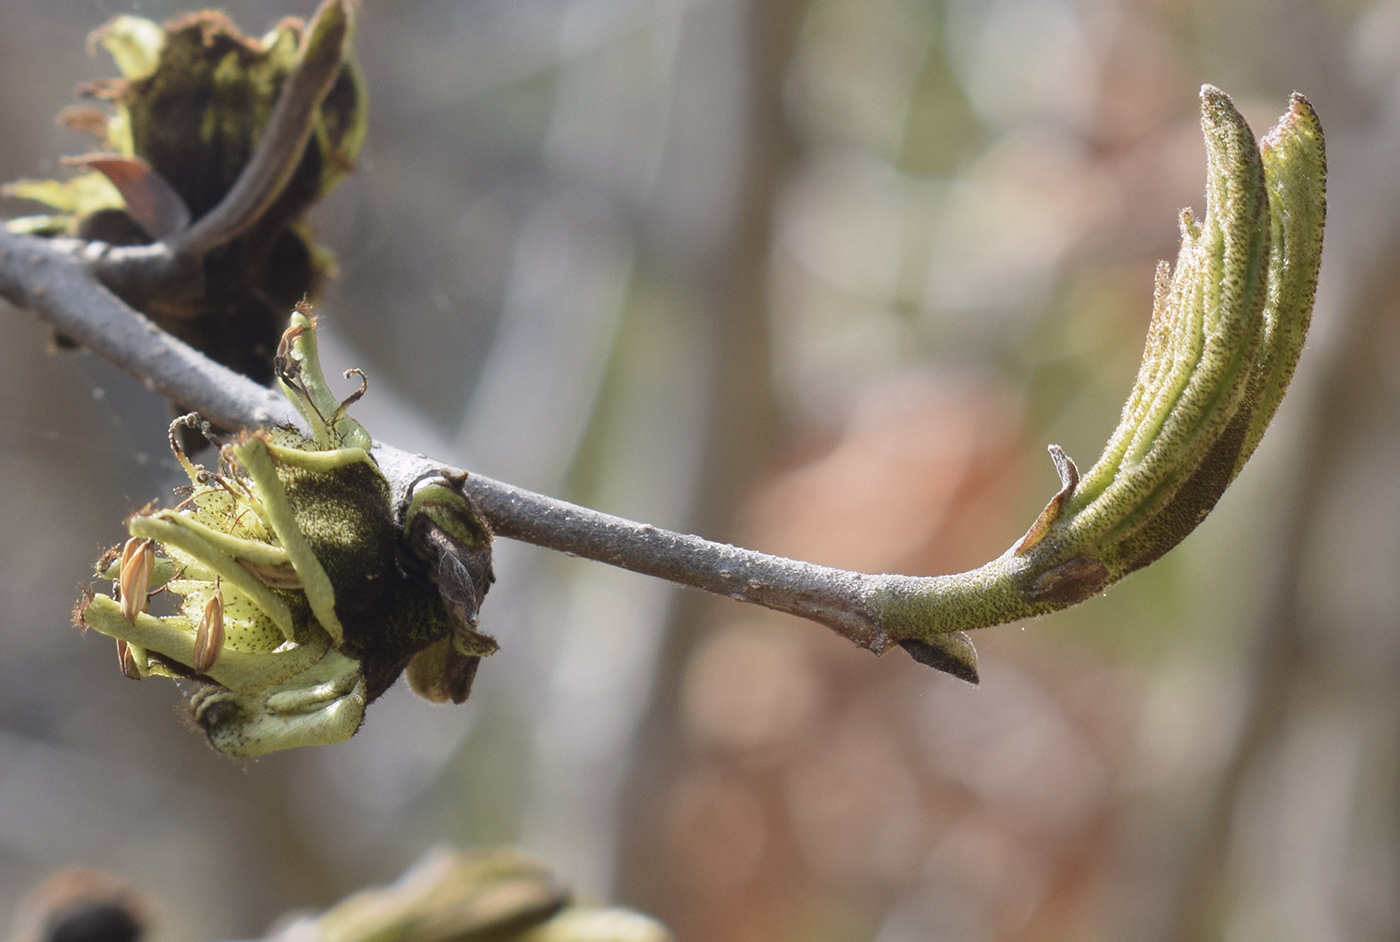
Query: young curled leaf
[[1295, 172], [1228, 324], [1194, 384]]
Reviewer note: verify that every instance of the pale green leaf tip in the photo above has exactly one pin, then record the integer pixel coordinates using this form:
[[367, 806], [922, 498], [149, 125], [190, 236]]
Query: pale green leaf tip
[[134, 43]]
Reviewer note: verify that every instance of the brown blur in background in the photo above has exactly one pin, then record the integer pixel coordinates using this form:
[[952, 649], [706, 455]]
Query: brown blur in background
[[822, 277]]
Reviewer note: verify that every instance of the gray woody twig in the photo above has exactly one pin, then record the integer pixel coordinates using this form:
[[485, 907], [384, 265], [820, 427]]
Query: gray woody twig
[[49, 279], [1227, 328]]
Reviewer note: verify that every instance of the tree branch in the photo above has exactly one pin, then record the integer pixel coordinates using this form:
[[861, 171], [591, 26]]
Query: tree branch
[[1228, 326], [50, 277]]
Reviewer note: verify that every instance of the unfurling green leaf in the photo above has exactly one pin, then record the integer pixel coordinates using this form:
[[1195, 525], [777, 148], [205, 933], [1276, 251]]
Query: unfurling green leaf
[[1228, 324]]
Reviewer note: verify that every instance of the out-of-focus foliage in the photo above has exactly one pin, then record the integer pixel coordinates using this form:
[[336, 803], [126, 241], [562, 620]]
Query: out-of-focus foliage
[[551, 256], [494, 895], [448, 895]]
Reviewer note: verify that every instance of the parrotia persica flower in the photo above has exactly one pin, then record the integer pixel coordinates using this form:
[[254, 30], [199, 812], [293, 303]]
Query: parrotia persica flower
[[185, 119], [300, 590], [1228, 325]]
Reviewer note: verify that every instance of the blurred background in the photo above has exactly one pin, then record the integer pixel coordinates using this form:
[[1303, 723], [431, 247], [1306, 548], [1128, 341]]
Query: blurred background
[[821, 277]]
